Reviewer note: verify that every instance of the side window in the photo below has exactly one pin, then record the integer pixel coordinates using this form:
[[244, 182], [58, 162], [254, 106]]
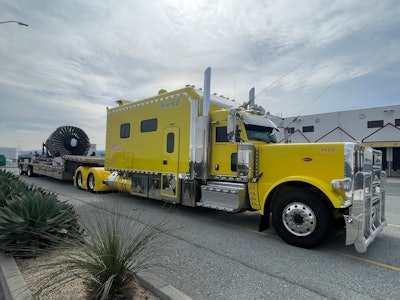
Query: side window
[[125, 130], [221, 135], [148, 125], [170, 142], [234, 158]]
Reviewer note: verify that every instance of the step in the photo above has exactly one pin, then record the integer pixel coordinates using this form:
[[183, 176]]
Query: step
[[225, 196]]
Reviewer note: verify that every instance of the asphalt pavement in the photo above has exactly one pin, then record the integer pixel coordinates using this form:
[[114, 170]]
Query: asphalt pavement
[[208, 254]]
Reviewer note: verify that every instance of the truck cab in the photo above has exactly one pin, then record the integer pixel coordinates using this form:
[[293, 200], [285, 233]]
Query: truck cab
[[229, 129]]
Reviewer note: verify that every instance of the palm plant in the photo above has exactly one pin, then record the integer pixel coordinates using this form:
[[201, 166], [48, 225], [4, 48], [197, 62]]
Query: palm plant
[[34, 221], [114, 249]]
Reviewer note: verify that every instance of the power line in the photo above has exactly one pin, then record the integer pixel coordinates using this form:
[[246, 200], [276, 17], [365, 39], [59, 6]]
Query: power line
[[280, 78]]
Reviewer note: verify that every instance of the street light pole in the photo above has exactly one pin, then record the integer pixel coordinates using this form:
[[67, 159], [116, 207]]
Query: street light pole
[[19, 23]]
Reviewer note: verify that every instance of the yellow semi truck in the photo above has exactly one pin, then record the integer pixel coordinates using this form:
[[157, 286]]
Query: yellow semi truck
[[196, 149]]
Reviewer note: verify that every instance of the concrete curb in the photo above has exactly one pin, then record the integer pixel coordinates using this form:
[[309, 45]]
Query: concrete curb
[[159, 288], [14, 287]]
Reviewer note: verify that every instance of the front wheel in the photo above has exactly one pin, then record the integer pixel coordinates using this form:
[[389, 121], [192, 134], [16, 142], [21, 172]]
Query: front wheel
[[301, 218]]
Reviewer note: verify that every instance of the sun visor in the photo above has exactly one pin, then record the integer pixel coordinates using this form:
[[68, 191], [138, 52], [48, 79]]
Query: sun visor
[[259, 121]]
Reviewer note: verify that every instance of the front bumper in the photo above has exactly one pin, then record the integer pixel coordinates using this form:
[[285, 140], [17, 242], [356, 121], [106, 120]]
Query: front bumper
[[366, 217]]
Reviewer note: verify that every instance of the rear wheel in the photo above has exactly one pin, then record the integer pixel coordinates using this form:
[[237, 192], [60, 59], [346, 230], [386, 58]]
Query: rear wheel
[[21, 170], [301, 218], [91, 182], [29, 172], [79, 180]]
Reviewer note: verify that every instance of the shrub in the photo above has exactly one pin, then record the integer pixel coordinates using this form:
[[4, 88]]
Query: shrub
[[114, 249], [34, 221], [11, 187]]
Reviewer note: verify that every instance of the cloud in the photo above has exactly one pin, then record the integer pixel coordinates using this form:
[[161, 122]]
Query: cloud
[[78, 57]]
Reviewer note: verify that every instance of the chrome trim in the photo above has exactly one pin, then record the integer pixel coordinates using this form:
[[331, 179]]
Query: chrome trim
[[366, 217], [225, 196]]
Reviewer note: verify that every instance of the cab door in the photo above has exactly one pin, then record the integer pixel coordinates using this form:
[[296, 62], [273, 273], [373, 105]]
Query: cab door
[[224, 153], [170, 164]]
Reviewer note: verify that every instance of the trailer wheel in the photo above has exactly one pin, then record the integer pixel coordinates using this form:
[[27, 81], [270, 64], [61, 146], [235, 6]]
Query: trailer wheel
[[79, 180], [21, 170], [91, 182], [29, 172], [301, 218]]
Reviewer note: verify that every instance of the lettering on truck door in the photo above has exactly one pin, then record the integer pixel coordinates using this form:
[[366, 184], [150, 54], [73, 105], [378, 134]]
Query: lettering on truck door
[[170, 163]]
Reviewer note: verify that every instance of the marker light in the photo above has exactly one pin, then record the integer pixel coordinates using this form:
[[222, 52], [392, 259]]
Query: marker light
[[342, 184]]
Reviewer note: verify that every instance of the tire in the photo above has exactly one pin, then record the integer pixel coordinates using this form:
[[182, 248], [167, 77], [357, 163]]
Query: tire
[[91, 182], [79, 180], [21, 170], [301, 218], [29, 172]]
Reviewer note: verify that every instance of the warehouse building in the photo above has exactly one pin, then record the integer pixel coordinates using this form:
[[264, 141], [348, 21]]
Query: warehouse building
[[377, 127]]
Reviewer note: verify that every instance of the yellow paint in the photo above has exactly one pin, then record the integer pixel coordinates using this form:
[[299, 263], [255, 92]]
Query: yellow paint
[[143, 150], [99, 173], [366, 260], [83, 170], [316, 164]]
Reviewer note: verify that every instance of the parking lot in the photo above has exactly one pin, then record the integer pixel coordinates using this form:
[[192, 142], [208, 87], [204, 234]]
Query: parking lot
[[215, 255]]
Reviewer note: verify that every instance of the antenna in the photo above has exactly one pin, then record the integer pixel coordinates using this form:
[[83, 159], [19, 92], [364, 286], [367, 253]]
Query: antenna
[[298, 116]]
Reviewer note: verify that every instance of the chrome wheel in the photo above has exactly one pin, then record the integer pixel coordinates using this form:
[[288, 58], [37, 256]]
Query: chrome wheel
[[299, 219], [91, 182], [79, 180]]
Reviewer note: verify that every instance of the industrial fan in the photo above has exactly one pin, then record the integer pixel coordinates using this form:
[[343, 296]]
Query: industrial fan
[[68, 140]]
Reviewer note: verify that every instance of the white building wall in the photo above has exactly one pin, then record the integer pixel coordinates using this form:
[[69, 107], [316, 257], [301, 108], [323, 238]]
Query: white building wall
[[377, 127], [344, 126]]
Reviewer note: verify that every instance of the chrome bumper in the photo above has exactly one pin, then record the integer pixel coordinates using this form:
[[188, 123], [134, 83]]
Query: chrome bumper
[[366, 217]]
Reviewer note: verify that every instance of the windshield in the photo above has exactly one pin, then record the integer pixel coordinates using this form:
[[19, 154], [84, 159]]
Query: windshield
[[260, 133]]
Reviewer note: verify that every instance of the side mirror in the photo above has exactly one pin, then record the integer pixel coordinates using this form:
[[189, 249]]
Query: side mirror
[[230, 121], [273, 138]]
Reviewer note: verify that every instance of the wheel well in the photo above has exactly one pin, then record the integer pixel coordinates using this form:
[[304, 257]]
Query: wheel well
[[284, 187]]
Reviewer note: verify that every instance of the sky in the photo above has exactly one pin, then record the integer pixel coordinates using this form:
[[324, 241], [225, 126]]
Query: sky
[[78, 57]]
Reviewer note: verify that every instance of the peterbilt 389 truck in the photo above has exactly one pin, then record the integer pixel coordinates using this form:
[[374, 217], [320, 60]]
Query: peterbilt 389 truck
[[196, 149]]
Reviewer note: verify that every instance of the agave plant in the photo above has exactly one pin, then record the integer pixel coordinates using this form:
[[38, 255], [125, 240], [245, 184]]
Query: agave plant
[[114, 249], [35, 221], [10, 187]]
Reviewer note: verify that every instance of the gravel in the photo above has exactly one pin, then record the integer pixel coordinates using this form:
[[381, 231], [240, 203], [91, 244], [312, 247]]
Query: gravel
[[31, 272]]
